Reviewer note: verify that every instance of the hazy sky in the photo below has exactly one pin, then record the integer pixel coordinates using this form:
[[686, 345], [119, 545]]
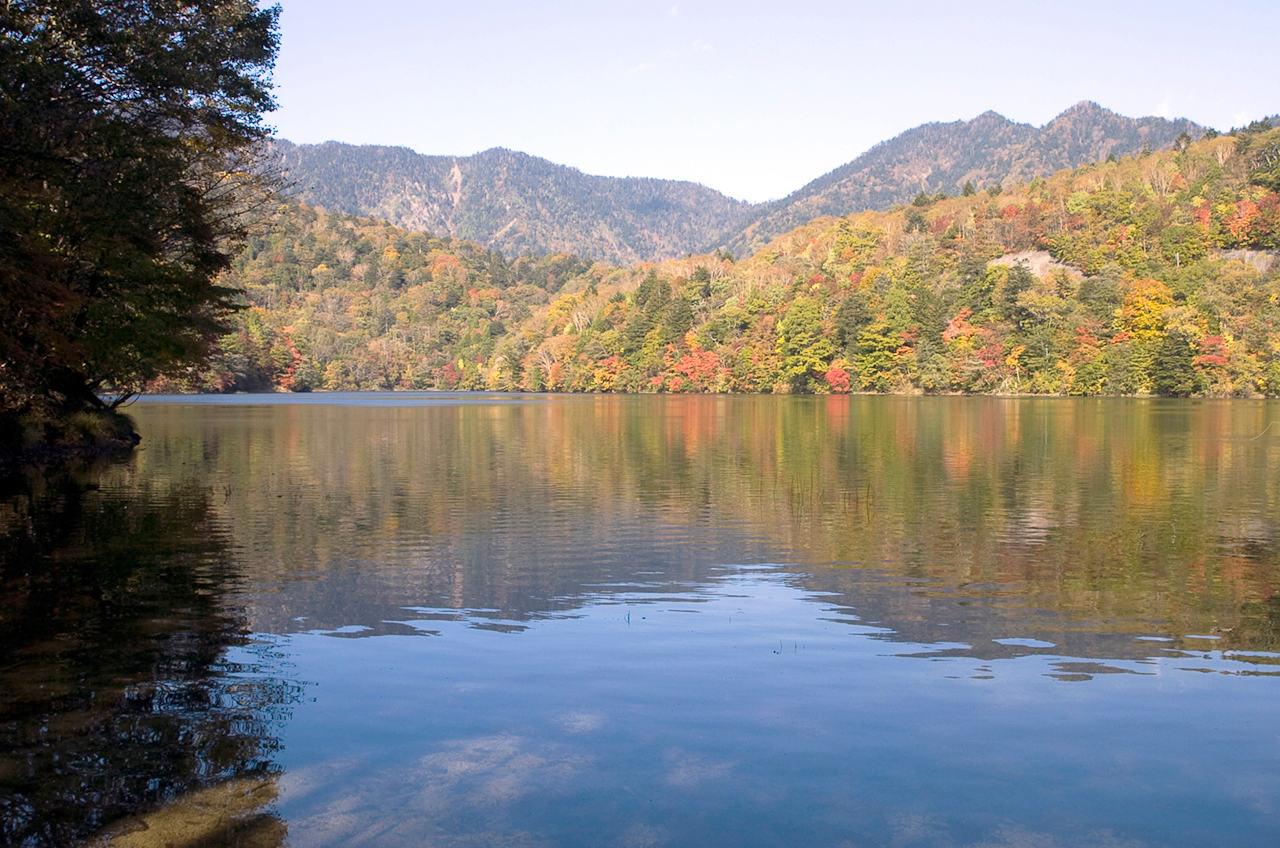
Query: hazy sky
[[754, 99]]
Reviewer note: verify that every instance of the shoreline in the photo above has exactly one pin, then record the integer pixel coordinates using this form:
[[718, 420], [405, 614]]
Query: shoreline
[[82, 437]]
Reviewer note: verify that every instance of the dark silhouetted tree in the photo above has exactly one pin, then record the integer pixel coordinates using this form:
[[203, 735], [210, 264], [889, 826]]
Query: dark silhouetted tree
[[130, 160]]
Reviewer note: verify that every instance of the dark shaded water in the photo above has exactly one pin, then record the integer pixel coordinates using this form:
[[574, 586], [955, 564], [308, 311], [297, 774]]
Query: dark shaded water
[[528, 620]]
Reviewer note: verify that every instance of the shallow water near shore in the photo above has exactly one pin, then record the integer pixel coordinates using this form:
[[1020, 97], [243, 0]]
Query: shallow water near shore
[[433, 619]]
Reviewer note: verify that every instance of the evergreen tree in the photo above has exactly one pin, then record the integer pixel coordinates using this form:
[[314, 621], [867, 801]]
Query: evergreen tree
[[1172, 371]]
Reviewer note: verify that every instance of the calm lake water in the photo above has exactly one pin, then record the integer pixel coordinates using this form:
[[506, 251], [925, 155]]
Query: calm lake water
[[490, 620]]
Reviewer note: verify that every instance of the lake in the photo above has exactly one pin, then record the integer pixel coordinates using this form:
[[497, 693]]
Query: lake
[[528, 620]]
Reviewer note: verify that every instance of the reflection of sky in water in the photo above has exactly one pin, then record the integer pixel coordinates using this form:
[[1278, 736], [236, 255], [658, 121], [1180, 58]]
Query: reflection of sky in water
[[747, 710], [999, 622]]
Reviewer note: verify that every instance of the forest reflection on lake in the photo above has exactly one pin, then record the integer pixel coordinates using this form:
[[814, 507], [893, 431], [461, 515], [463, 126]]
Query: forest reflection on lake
[[499, 619], [116, 692]]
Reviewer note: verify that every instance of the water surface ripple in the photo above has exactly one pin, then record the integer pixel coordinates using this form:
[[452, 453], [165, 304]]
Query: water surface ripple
[[463, 620]]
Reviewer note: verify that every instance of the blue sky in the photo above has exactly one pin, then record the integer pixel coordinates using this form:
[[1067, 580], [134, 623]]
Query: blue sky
[[754, 99]]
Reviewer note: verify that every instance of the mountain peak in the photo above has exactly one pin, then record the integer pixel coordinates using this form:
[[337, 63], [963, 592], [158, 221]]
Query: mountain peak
[[1086, 106], [1087, 110], [989, 151], [1084, 116]]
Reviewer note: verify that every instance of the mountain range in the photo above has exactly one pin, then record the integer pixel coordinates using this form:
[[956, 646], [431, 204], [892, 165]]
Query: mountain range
[[521, 204]]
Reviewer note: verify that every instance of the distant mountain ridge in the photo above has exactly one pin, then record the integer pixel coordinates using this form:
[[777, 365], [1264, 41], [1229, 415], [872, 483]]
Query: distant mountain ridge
[[938, 157], [511, 201], [521, 204]]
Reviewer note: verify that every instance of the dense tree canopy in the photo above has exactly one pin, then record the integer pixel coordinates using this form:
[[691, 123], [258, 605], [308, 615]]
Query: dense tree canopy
[[129, 138], [1153, 274]]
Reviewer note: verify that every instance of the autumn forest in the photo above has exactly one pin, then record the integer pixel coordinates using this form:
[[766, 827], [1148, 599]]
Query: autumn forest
[[1148, 274]]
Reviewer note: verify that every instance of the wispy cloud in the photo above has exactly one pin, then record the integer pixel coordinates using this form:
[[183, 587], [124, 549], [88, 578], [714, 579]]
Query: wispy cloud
[[673, 55]]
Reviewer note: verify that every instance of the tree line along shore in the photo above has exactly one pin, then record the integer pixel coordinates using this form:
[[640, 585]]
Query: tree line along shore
[[1153, 274]]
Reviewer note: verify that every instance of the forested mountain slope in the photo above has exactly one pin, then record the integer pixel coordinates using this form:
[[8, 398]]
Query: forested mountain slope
[[1151, 274], [988, 150], [512, 202], [521, 204]]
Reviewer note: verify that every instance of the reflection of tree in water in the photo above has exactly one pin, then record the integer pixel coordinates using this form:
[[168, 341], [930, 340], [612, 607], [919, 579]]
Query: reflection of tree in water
[[1137, 516], [114, 693]]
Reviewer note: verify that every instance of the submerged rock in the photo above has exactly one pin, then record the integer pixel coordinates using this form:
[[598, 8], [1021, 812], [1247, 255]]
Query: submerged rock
[[232, 814]]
